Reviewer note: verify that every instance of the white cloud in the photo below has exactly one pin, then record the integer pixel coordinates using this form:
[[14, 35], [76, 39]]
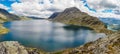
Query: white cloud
[[3, 7], [101, 5], [44, 8], [41, 8]]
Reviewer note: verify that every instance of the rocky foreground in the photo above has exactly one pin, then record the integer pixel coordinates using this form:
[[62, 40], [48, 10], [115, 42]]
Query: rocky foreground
[[13, 47], [107, 45]]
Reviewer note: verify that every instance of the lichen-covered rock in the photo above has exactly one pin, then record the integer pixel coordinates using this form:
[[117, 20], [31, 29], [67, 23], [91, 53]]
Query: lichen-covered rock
[[107, 45], [11, 47]]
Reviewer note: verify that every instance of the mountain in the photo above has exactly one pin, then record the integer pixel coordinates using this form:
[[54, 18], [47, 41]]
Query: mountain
[[54, 15], [32, 17], [8, 15], [110, 20], [76, 17], [111, 23], [5, 16]]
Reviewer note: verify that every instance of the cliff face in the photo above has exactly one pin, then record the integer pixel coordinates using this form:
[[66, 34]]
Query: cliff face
[[75, 17], [107, 45]]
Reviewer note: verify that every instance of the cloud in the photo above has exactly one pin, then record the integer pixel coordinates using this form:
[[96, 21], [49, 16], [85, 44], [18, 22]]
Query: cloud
[[112, 6], [41, 8], [3, 7], [44, 8], [103, 4]]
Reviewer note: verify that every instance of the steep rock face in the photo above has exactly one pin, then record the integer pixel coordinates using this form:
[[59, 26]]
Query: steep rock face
[[75, 17], [107, 45]]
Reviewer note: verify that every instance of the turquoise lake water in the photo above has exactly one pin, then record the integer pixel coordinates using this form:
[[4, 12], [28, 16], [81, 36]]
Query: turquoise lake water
[[48, 36]]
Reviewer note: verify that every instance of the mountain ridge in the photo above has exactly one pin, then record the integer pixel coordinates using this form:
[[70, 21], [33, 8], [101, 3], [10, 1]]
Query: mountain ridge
[[8, 15], [75, 17]]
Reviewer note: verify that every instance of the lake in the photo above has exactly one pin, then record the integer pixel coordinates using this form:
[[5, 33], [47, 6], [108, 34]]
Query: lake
[[47, 35]]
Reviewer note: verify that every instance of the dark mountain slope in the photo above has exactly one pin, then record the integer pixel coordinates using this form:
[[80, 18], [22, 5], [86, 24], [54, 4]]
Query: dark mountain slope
[[54, 15]]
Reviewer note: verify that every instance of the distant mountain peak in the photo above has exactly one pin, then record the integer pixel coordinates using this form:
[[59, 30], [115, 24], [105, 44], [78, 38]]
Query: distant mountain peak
[[72, 10]]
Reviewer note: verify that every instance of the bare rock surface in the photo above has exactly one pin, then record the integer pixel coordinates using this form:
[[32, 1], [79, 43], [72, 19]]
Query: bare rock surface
[[11, 47]]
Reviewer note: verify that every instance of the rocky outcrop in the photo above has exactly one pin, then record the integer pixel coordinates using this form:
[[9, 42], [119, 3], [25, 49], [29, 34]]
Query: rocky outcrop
[[13, 47], [75, 17], [107, 45]]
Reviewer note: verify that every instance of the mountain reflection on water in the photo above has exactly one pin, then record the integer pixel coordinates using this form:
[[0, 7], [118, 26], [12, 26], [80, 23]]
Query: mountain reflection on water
[[49, 36]]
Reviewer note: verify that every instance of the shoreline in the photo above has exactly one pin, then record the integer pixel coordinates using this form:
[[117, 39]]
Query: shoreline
[[65, 51], [3, 30], [111, 41]]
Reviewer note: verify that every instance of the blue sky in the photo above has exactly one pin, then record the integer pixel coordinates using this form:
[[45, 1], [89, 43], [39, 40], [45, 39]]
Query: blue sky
[[44, 8], [8, 3]]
